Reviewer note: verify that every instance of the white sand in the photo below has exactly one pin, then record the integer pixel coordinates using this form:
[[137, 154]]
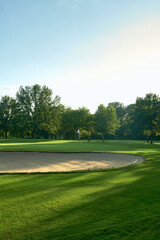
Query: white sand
[[12, 162]]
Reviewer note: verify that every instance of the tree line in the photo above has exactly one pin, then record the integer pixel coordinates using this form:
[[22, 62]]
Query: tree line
[[34, 113]]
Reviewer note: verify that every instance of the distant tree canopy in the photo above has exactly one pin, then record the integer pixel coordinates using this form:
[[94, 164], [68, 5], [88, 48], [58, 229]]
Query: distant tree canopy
[[35, 113], [7, 105], [106, 120], [73, 120], [32, 113], [146, 116]]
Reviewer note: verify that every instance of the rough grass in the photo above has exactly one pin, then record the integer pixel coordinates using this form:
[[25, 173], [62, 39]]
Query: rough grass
[[111, 204]]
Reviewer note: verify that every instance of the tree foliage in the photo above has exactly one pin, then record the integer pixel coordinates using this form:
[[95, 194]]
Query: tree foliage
[[106, 120], [6, 114], [146, 118], [76, 119], [35, 113]]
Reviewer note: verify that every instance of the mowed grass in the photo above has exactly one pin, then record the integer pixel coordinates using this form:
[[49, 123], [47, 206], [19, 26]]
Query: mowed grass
[[110, 204], [71, 146]]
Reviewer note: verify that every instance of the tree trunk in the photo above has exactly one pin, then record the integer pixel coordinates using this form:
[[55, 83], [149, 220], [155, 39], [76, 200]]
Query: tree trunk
[[151, 138], [103, 137], [33, 134], [6, 135]]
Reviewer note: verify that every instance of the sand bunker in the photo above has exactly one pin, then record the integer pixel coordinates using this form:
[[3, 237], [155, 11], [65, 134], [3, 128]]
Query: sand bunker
[[58, 162]]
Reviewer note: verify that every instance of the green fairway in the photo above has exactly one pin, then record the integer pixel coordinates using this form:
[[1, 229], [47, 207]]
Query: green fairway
[[74, 146], [110, 204]]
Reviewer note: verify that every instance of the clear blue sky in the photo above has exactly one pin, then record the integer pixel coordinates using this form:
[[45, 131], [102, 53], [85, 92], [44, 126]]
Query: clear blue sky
[[87, 51]]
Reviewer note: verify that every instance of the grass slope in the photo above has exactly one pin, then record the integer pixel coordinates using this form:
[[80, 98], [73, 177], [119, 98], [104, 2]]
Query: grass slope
[[111, 204]]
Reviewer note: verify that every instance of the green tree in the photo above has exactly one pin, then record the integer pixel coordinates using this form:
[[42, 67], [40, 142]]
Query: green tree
[[126, 128], [86, 122], [146, 118], [120, 109], [36, 108], [122, 117], [6, 114], [52, 123], [106, 121], [76, 119]]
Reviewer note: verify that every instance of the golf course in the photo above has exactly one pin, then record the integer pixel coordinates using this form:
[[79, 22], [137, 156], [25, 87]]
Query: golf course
[[79, 120], [116, 203]]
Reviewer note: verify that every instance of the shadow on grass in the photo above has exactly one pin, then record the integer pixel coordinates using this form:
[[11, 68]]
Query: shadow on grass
[[107, 204], [110, 204]]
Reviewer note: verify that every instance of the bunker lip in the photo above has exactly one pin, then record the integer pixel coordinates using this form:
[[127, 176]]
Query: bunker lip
[[41, 162]]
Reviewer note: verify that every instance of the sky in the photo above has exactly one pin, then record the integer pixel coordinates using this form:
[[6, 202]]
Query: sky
[[89, 52]]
